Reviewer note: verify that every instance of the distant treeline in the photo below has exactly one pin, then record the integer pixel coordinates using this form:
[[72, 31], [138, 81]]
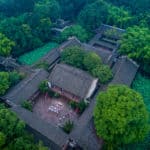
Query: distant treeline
[[28, 23]]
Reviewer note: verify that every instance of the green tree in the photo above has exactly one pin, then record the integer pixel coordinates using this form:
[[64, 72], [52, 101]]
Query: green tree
[[21, 33], [2, 139], [103, 73], [4, 82], [93, 15], [15, 77], [6, 45], [43, 87], [75, 30], [73, 56], [136, 44], [120, 116], [91, 61], [27, 105], [47, 9], [13, 135], [43, 30], [119, 16], [100, 11], [70, 9], [136, 7]]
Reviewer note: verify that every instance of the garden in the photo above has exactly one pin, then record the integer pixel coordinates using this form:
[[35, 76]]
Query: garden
[[32, 57]]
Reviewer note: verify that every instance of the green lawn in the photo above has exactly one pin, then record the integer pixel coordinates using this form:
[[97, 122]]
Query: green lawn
[[32, 57], [142, 85]]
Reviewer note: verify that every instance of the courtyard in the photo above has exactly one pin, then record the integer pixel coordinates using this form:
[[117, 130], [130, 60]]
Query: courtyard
[[54, 110]]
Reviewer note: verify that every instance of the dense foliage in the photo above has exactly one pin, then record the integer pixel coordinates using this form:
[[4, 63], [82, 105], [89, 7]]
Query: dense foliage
[[75, 30], [9, 79], [140, 6], [4, 82], [99, 12], [136, 44], [120, 116], [13, 135], [68, 126], [6, 45], [90, 62], [43, 87], [27, 105], [73, 56]]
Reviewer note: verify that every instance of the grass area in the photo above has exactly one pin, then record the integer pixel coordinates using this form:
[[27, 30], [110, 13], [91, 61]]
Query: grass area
[[142, 85], [35, 55]]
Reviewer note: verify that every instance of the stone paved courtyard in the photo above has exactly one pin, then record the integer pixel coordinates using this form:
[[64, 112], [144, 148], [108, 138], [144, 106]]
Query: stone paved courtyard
[[54, 110]]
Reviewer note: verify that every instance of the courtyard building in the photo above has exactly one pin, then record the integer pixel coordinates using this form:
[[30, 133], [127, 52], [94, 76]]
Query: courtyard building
[[72, 83]]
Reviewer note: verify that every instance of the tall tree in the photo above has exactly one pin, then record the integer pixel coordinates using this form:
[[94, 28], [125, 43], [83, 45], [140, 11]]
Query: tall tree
[[136, 44], [93, 15], [120, 116], [4, 82], [75, 30], [73, 56], [6, 45]]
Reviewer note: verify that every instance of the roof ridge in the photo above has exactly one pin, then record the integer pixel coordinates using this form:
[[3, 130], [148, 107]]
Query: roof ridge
[[73, 71], [26, 81]]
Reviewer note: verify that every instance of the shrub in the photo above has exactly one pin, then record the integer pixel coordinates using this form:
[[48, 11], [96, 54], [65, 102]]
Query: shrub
[[51, 93], [91, 61], [68, 126], [103, 73], [43, 65], [73, 104], [27, 105], [56, 95], [81, 106], [43, 87]]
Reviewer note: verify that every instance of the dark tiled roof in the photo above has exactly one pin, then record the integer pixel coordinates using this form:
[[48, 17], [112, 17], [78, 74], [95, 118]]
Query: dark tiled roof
[[51, 57], [54, 134], [84, 132], [72, 80], [103, 28], [124, 71], [102, 53], [8, 62], [26, 88], [72, 41], [88, 138]]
